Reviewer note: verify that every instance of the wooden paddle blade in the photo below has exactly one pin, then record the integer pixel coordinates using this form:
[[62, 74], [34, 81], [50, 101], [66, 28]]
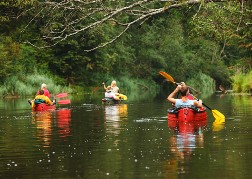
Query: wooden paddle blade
[[167, 76], [218, 115], [64, 101], [95, 89], [61, 95]]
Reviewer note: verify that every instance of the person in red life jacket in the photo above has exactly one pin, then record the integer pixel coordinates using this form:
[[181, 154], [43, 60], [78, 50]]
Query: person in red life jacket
[[46, 91]]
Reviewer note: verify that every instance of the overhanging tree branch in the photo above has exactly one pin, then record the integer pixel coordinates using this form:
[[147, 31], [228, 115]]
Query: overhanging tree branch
[[71, 17]]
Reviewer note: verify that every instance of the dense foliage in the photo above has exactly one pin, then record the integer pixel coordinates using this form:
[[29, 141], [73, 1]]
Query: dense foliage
[[213, 39]]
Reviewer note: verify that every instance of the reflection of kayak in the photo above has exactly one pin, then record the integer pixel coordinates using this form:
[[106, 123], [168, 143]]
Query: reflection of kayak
[[120, 98], [43, 107], [187, 114]]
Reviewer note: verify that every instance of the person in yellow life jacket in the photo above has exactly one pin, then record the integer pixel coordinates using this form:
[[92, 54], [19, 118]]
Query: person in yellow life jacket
[[41, 98]]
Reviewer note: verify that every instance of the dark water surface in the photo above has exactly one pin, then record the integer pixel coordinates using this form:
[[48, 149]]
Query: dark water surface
[[131, 140]]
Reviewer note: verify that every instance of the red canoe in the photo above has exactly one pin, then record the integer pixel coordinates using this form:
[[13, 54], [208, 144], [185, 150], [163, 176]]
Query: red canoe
[[44, 107], [187, 127], [187, 114]]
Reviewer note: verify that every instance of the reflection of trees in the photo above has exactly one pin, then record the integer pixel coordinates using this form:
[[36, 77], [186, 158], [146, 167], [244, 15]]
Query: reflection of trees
[[241, 104], [188, 137]]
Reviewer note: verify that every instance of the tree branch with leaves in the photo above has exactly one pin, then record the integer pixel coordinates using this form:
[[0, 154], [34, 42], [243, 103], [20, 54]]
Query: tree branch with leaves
[[65, 19]]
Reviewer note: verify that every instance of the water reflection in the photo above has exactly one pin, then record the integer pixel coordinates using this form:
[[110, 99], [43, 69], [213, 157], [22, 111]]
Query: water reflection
[[218, 126], [114, 114], [43, 122], [63, 122], [84, 144], [188, 136]]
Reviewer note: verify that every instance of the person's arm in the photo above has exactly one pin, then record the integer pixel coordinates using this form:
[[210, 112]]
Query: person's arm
[[171, 96], [104, 86], [198, 103]]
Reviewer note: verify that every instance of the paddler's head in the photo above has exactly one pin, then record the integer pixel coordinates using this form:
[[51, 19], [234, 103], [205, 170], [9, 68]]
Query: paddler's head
[[41, 92], [184, 91]]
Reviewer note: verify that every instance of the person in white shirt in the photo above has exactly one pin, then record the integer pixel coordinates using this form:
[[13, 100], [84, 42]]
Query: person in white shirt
[[111, 91], [184, 101]]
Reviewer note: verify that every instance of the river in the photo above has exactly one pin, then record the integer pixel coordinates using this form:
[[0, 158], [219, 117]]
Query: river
[[132, 140]]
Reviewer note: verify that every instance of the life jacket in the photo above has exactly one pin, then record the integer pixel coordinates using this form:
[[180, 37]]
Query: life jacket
[[39, 101]]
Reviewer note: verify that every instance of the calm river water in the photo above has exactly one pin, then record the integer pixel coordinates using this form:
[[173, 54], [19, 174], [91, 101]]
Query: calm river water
[[132, 140]]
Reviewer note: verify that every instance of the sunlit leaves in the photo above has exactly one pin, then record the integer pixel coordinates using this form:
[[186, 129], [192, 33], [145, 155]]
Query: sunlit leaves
[[242, 82], [13, 8], [216, 21]]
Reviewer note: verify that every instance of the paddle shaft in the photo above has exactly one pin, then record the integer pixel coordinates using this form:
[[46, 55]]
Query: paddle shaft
[[96, 88], [202, 102]]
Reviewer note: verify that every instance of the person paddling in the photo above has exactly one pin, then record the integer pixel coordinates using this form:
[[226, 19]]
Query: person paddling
[[114, 88], [41, 98], [190, 96], [109, 93], [46, 91], [113, 91], [185, 100]]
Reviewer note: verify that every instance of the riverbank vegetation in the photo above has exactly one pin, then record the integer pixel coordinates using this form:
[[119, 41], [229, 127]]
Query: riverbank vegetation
[[29, 85], [242, 83], [204, 43]]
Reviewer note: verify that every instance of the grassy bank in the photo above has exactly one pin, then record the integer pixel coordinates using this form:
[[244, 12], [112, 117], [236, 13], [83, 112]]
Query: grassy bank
[[203, 83], [29, 85], [21, 85], [242, 82]]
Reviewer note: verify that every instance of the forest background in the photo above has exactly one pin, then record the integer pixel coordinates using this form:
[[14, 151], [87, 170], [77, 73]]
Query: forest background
[[75, 45]]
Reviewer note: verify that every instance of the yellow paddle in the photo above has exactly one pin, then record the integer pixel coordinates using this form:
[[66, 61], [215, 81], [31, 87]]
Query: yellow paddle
[[219, 117]]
